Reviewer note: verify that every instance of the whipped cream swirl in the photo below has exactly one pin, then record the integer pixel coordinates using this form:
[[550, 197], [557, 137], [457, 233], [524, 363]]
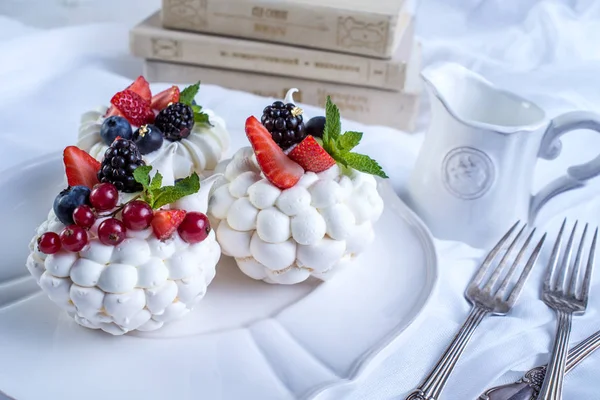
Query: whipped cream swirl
[[286, 236], [200, 151]]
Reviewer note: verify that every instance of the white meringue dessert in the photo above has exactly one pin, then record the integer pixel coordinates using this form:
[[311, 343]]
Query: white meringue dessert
[[141, 281], [285, 232], [200, 151]]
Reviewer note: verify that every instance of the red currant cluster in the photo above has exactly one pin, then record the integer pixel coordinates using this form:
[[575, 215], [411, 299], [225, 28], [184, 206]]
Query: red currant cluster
[[136, 215]]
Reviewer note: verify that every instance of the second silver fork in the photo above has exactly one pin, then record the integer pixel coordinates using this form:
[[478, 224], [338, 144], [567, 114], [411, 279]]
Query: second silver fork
[[566, 297], [486, 297]]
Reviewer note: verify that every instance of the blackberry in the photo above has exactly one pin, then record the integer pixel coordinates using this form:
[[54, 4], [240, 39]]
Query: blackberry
[[120, 160], [285, 123], [176, 121]]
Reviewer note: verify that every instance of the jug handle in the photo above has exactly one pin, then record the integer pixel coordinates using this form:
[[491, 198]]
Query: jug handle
[[577, 175]]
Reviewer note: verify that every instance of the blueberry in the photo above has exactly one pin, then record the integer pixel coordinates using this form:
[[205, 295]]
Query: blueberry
[[315, 127], [115, 126], [148, 138], [68, 200]]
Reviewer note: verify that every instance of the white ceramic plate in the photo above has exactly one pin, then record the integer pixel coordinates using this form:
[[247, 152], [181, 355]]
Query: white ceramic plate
[[246, 340]]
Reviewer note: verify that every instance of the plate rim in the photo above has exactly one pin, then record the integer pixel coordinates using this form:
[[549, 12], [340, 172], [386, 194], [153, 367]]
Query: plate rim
[[376, 354]]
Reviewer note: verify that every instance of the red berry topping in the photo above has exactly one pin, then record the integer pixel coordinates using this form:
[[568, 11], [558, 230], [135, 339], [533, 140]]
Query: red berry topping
[[137, 215], [194, 228], [104, 197], [84, 216], [165, 222], [164, 98], [111, 232], [141, 87], [113, 111], [311, 156], [277, 167], [80, 167], [74, 238], [136, 109], [49, 243]]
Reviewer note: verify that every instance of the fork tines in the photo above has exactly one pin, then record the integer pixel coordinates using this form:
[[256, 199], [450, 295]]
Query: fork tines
[[564, 278], [498, 269]]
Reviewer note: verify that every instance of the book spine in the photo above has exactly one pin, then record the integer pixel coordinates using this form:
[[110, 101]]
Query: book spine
[[287, 22], [370, 106], [207, 50]]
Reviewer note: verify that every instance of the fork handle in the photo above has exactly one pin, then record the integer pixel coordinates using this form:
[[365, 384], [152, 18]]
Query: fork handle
[[432, 386], [553, 382]]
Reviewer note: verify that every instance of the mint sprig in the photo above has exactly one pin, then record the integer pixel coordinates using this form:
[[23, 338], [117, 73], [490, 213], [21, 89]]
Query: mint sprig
[[157, 195], [339, 145], [187, 96]]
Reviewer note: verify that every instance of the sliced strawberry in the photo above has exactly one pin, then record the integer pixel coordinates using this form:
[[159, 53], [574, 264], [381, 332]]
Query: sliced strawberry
[[80, 167], [164, 98], [133, 107], [112, 111], [311, 155], [141, 87], [277, 167], [166, 222]]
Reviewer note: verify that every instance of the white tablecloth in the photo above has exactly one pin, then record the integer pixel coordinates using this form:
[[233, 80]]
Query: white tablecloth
[[548, 51]]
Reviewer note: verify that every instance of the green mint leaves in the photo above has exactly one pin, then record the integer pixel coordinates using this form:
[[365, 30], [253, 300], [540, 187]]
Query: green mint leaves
[[157, 195], [339, 145], [199, 116], [187, 96]]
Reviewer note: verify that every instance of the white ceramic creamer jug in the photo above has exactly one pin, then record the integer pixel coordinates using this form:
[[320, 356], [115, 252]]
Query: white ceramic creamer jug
[[473, 177]]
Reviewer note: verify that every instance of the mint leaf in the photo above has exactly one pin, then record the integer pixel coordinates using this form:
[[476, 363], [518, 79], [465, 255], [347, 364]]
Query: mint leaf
[[170, 194], [199, 116], [202, 118], [142, 175], [156, 182], [363, 163], [333, 127], [338, 146], [189, 185], [349, 140], [188, 94]]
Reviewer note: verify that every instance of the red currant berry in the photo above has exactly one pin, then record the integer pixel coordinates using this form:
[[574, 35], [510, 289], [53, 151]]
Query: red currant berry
[[73, 238], [104, 197], [194, 228], [137, 215], [84, 216], [49, 243], [111, 232]]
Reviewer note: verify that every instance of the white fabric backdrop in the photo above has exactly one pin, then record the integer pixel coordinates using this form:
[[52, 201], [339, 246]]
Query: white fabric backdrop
[[72, 59]]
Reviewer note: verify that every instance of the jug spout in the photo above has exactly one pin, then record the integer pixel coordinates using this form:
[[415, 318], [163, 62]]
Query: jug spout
[[472, 100]]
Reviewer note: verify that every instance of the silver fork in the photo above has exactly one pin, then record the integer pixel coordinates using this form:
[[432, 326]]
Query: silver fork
[[563, 295], [486, 297], [528, 387]]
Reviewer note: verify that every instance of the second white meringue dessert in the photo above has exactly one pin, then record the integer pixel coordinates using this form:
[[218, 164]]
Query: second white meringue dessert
[[286, 217], [168, 123]]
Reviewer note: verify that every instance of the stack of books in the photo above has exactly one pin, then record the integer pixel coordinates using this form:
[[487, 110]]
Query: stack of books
[[361, 53]]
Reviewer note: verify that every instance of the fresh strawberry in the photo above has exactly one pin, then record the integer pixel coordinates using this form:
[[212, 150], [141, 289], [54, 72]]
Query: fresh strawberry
[[164, 98], [112, 111], [80, 167], [166, 222], [277, 167], [133, 107], [141, 87], [311, 155]]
